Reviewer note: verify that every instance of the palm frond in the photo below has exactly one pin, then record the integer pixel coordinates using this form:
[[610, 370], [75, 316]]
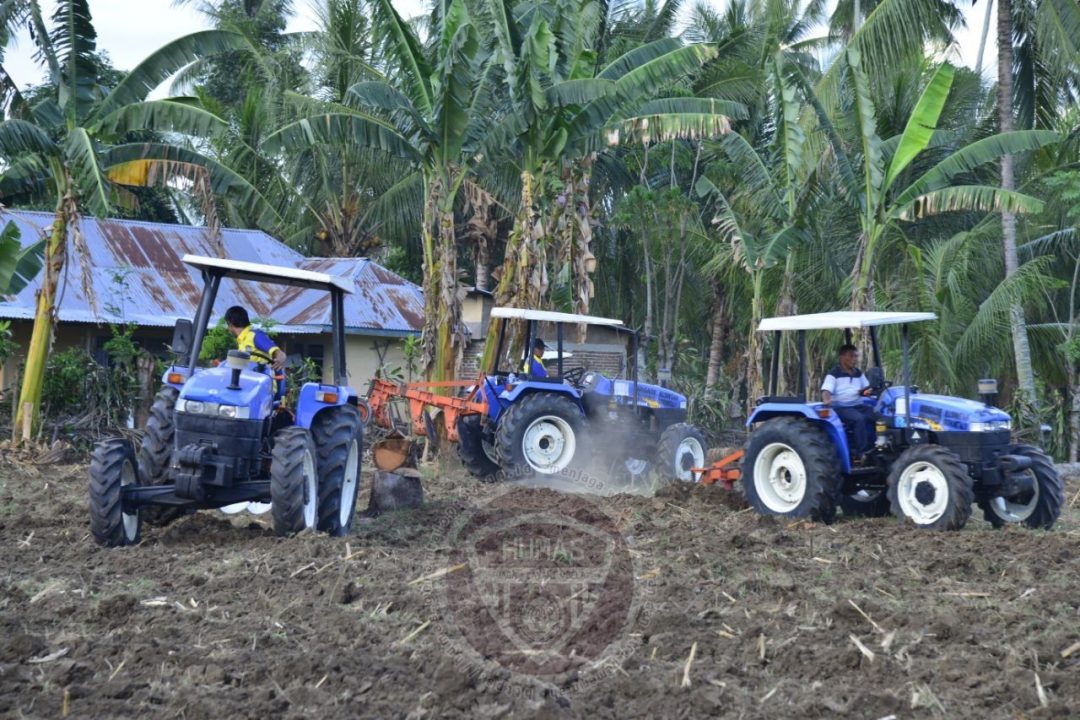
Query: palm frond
[[979, 198], [922, 123]]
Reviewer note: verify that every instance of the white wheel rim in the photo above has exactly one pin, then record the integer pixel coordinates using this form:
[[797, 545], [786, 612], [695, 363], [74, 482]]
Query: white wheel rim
[[780, 478], [688, 455], [636, 466], [349, 484], [311, 490], [131, 520], [923, 492], [1014, 512], [549, 444]]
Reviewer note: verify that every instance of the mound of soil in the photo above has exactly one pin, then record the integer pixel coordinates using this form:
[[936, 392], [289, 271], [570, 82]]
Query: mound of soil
[[717, 611]]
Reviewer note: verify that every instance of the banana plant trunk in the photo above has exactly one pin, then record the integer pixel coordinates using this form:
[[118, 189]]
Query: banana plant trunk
[[716, 346], [1025, 375], [1074, 414], [442, 316], [37, 354], [524, 272], [755, 384]]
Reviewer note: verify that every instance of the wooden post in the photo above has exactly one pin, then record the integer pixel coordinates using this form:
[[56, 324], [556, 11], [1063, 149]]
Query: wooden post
[[144, 370]]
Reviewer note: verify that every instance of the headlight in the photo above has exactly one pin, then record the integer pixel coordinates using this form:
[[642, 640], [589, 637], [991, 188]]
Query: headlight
[[990, 426], [192, 406], [228, 411], [198, 407]]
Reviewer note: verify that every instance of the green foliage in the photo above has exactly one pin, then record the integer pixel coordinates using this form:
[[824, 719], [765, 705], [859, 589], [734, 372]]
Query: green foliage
[[77, 385], [18, 265], [217, 343], [8, 346]]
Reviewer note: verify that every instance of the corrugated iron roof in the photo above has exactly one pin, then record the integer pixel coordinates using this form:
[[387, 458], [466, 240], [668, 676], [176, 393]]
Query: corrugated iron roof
[[138, 277]]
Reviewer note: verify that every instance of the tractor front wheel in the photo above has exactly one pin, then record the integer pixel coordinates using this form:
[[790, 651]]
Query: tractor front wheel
[[339, 445], [682, 448], [294, 482], [1037, 508], [541, 433], [791, 469], [155, 452], [473, 451], [929, 486], [112, 468]]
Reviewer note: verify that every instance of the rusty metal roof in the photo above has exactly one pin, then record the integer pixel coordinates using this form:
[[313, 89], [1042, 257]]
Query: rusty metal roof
[[138, 277]]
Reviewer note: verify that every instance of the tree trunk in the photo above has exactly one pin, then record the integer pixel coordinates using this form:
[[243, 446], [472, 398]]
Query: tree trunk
[[442, 314], [1074, 414], [755, 385], [719, 333], [37, 354], [1022, 351]]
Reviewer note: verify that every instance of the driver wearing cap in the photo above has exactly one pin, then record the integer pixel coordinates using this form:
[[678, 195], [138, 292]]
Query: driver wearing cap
[[534, 366]]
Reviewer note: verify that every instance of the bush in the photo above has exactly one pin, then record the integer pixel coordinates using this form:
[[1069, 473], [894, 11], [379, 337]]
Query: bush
[[76, 384]]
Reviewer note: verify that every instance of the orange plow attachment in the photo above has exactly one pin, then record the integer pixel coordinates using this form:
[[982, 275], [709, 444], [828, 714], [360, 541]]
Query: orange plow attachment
[[422, 395], [725, 470]]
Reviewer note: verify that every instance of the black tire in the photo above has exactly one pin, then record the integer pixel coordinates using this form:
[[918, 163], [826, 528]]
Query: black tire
[[339, 445], [1039, 511], [565, 422], [871, 504], [777, 454], [682, 446], [112, 466], [915, 481], [294, 492], [155, 453], [470, 448]]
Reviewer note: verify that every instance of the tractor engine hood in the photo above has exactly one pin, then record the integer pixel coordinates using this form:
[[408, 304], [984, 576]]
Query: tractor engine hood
[[942, 413], [207, 393]]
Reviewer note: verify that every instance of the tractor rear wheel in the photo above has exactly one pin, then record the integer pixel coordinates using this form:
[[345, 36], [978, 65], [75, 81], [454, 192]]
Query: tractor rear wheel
[[1037, 509], [682, 447], [472, 451], [112, 467], [865, 503], [542, 433], [294, 482], [791, 469], [155, 453], [339, 445], [930, 486]]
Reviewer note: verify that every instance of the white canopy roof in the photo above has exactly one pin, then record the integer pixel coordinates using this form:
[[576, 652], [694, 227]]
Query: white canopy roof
[[270, 273], [555, 317], [842, 320]]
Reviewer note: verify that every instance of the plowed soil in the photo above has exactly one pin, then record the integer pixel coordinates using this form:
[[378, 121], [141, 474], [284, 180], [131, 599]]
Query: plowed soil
[[215, 617]]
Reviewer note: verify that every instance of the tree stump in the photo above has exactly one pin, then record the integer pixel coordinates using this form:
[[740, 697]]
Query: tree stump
[[398, 490]]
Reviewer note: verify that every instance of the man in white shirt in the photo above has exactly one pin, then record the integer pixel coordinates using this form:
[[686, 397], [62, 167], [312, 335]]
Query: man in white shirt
[[843, 390]]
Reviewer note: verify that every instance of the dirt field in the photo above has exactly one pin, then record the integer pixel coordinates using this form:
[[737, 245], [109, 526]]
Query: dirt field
[[215, 617]]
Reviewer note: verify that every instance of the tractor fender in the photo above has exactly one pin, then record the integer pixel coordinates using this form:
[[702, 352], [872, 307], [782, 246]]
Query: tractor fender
[[833, 427], [522, 389], [314, 398]]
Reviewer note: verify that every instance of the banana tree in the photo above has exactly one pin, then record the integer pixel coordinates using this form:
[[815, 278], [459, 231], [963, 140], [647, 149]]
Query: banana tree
[[885, 195], [565, 108], [64, 149], [433, 114]]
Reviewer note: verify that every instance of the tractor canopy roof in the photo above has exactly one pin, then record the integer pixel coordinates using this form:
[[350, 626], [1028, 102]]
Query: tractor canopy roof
[[274, 274], [553, 317], [841, 320]]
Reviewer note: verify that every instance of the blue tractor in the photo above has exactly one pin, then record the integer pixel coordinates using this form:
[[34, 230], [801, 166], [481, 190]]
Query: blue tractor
[[934, 456], [219, 436], [573, 418]]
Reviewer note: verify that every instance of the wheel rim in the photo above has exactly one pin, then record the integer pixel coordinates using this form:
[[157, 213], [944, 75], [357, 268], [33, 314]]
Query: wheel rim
[[311, 490], [128, 477], [690, 454], [1014, 509], [780, 478], [636, 466], [549, 444], [923, 492], [349, 484]]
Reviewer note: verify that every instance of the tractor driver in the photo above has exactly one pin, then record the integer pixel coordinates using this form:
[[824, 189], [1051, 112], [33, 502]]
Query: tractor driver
[[248, 339], [843, 389], [534, 366]]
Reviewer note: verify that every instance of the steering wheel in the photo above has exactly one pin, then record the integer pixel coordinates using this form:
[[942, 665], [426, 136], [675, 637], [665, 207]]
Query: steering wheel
[[574, 376]]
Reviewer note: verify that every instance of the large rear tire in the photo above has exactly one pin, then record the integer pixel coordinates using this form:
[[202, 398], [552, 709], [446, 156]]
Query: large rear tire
[[791, 469], [339, 444], [474, 456], [681, 448], [294, 482], [930, 486], [155, 453], [541, 433], [1039, 509], [112, 467]]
